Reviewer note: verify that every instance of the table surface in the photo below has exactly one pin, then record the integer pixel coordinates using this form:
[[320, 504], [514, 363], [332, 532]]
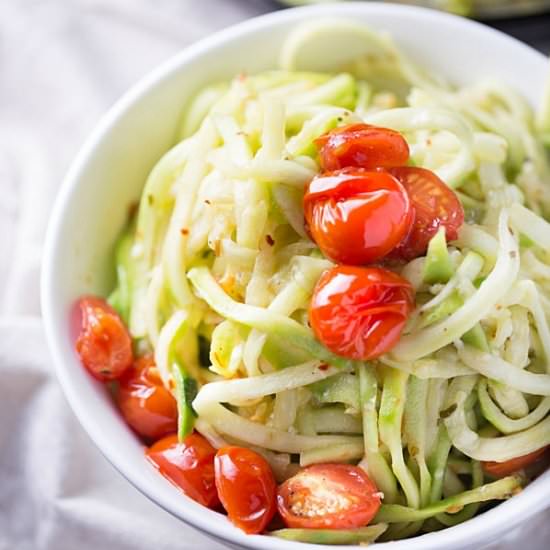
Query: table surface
[[534, 30]]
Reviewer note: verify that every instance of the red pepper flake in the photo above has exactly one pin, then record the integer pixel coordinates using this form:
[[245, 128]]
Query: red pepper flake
[[132, 209], [323, 366], [269, 240], [184, 231]]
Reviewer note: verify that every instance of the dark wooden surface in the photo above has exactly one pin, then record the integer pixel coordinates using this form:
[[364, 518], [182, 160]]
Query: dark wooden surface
[[534, 30]]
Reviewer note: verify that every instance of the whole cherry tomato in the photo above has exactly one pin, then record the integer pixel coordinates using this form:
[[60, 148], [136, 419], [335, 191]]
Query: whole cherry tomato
[[362, 145], [103, 344], [503, 469], [434, 205], [246, 488], [357, 217], [147, 406], [360, 312], [328, 496], [189, 465]]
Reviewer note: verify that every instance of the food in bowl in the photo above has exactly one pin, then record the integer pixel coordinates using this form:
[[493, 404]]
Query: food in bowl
[[330, 316]]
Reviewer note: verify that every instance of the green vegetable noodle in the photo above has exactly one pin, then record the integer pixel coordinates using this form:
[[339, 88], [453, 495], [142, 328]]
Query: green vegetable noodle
[[217, 275]]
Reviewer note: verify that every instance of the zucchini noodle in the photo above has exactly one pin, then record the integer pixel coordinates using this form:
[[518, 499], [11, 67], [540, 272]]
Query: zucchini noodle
[[215, 274]]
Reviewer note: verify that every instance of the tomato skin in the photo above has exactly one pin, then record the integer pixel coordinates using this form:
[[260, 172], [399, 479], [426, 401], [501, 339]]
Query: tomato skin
[[355, 216], [103, 344], [189, 465], [347, 490], [434, 204], [362, 145], [246, 487], [503, 469], [360, 312], [147, 406]]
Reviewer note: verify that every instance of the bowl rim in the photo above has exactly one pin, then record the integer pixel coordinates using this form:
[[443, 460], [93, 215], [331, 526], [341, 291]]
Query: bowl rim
[[510, 513]]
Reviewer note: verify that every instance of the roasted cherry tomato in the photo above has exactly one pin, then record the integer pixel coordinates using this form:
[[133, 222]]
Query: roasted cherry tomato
[[434, 204], [357, 217], [328, 496], [362, 145], [246, 488], [104, 345], [503, 469], [145, 403], [360, 312], [189, 465]]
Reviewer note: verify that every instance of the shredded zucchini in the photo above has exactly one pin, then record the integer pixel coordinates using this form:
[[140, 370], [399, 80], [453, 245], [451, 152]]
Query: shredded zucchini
[[215, 274]]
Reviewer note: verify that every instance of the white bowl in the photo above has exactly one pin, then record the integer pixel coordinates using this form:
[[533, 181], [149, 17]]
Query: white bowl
[[109, 172]]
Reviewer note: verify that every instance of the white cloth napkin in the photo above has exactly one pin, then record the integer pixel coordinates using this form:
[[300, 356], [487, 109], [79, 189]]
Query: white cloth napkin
[[62, 64]]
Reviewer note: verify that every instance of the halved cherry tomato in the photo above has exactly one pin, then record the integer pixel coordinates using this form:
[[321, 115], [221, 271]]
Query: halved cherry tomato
[[360, 312], [362, 145], [328, 496], [246, 488], [357, 217], [103, 344], [503, 469], [434, 204], [147, 406], [188, 465]]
